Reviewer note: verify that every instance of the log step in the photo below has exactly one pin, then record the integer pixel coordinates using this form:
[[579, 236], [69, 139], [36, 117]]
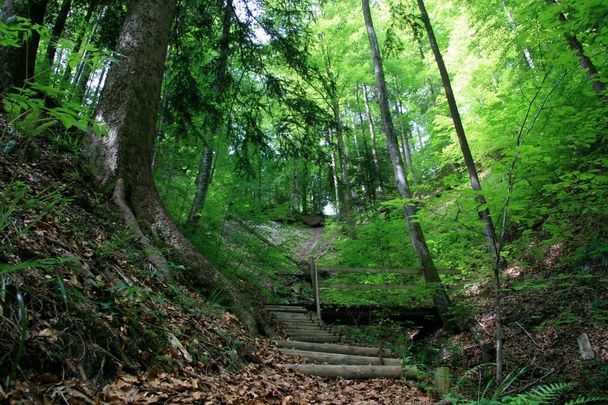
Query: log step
[[353, 371], [317, 339], [304, 327], [347, 359], [291, 309], [332, 348], [305, 335]]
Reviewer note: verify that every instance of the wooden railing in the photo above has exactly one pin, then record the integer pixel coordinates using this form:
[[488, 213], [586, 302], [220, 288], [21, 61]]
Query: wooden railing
[[317, 285]]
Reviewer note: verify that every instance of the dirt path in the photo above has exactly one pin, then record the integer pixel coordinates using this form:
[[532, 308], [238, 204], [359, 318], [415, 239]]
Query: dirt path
[[309, 245]]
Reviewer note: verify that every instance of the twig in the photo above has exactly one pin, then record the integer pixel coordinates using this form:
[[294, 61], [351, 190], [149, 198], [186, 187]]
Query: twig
[[531, 384], [484, 329], [526, 332]]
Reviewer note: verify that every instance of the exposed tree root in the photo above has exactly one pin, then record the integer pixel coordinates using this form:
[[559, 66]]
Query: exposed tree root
[[155, 256]]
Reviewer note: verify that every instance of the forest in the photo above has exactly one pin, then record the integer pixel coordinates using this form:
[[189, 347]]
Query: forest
[[304, 201]]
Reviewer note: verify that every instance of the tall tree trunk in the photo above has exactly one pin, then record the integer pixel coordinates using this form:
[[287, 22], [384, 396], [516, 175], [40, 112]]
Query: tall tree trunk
[[203, 180], [221, 82], [97, 90], [484, 213], [58, 28], [17, 65], [527, 53], [584, 60], [372, 133], [365, 161], [129, 108], [405, 144], [462, 139], [440, 298], [347, 207], [304, 188], [334, 171], [357, 145], [81, 37], [295, 191]]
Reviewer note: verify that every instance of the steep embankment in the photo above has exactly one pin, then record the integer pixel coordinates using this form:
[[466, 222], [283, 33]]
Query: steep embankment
[[85, 318]]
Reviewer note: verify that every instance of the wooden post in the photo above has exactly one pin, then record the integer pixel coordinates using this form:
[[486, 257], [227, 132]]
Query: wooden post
[[314, 275], [442, 380]]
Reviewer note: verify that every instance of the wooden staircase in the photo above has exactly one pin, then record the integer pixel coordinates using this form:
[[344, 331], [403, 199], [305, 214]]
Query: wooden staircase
[[309, 338]]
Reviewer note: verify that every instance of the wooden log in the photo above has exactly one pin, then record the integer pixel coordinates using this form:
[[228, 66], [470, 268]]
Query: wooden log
[[414, 271], [308, 333], [354, 372], [370, 286], [335, 358], [286, 319], [332, 348], [364, 270], [316, 339], [290, 315], [286, 309], [306, 329], [441, 379]]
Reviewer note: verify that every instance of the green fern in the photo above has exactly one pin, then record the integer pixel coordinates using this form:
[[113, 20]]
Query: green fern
[[543, 394], [587, 400]]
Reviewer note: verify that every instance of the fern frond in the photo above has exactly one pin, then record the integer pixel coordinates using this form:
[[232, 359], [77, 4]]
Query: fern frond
[[543, 394], [586, 400]]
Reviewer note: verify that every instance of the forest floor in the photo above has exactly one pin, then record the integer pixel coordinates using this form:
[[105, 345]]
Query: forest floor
[[85, 319]]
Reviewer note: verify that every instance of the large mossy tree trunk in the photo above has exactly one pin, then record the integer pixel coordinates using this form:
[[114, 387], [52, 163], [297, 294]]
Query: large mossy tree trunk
[[17, 65], [429, 271], [129, 107]]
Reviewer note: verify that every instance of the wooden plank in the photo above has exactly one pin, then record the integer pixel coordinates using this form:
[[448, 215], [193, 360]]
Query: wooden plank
[[353, 372], [304, 329], [365, 270], [333, 348], [316, 334], [315, 280], [328, 269], [336, 358], [290, 315], [299, 310], [370, 286], [317, 339]]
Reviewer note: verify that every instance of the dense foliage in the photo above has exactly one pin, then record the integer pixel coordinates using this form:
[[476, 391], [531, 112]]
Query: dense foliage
[[269, 111]]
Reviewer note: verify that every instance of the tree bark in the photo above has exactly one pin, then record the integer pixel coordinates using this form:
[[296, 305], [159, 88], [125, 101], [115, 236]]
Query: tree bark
[[304, 188], [295, 192], [405, 145], [372, 134], [527, 53], [368, 183], [221, 82], [584, 60], [81, 37], [203, 180], [346, 192], [484, 212], [17, 65], [334, 171], [58, 28], [129, 108], [440, 298]]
